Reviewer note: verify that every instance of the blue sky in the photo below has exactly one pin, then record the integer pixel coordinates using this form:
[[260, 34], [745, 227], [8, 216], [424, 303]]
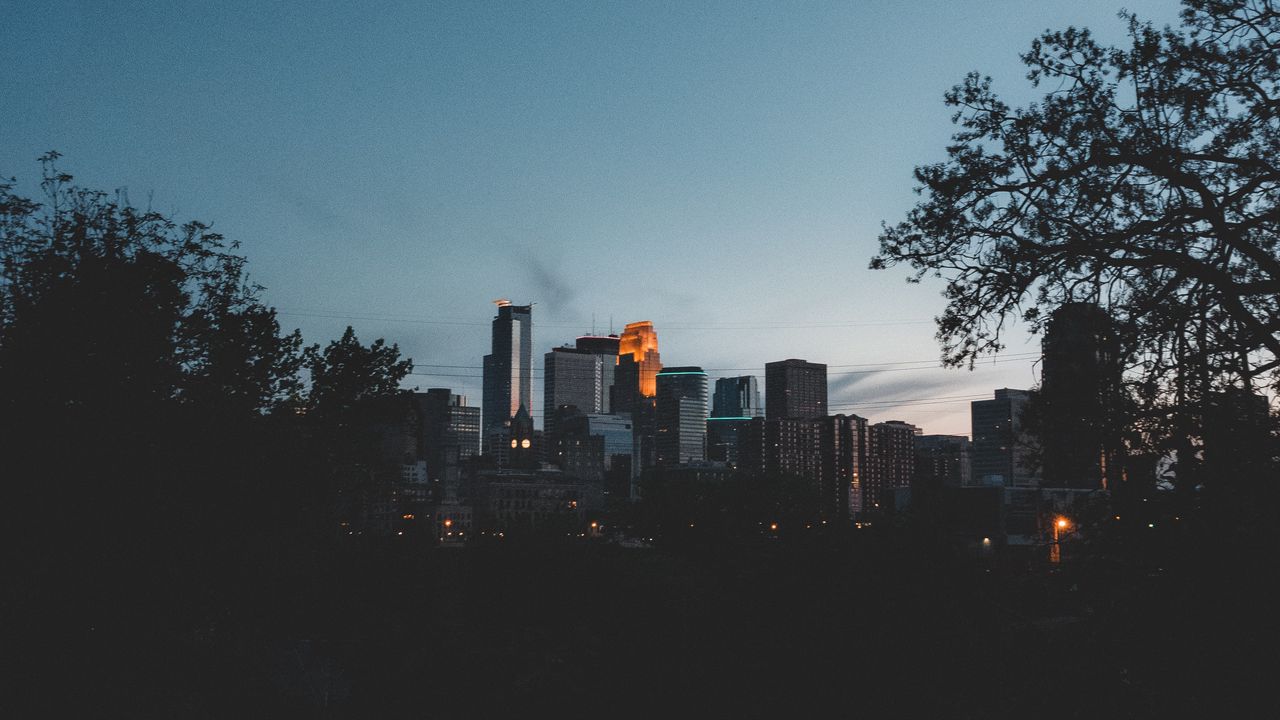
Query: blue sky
[[721, 169]]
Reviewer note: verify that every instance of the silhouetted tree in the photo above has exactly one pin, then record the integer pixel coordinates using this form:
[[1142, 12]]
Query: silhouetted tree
[[159, 462], [1145, 181], [346, 374]]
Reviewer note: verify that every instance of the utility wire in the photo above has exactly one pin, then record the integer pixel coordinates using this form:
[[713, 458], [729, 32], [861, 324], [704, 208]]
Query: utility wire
[[770, 325]]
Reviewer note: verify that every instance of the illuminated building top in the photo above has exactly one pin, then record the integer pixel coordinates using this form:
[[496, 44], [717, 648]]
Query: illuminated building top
[[640, 341]]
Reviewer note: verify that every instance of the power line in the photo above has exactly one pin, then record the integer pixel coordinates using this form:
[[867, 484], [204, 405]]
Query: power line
[[767, 325], [1001, 358], [540, 376]]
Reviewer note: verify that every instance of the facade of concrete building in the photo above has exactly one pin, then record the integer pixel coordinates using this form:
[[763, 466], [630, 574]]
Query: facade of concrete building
[[446, 422], [616, 431], [1077, 405], [513, 501], [842, 441], [795, 389], [577, 378], [793, 447], [1001, 447], [724, 438], [942, 461], [891, 462], [736, 397]]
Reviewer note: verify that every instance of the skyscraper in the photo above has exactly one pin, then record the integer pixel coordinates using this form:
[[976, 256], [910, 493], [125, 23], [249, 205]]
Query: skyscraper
[[736, 397], [577, 377], [634, 387], [795, 389], [681, 414], [638, 364], [508, 369], [1078, 399], [1000, 446]]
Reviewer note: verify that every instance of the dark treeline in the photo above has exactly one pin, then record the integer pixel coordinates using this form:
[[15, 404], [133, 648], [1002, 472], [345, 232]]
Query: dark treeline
[[169, 455]]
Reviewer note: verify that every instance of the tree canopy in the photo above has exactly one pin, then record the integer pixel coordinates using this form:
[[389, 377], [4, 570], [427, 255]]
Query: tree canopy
[[153, 415], [1145, 180]]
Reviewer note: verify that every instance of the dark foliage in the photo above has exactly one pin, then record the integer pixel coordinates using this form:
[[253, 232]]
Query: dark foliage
[[1145, 180], [160, 469]]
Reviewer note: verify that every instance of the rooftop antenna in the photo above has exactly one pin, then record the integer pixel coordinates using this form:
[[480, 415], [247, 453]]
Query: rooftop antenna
[[611, 324], [593, 323]]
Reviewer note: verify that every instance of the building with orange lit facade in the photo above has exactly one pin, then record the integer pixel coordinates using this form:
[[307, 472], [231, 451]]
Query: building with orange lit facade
[[634, 387], [638, 364]]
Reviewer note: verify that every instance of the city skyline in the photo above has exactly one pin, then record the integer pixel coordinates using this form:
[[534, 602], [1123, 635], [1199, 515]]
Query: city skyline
[[720, 169]]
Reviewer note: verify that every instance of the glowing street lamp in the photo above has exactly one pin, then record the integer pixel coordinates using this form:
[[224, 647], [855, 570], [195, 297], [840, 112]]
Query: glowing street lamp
[[1060, 525]]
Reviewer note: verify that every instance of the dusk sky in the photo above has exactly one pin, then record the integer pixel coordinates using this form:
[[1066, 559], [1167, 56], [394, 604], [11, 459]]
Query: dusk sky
[[721, 169]]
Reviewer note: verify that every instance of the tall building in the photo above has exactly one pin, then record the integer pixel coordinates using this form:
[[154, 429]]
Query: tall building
[[891, 463], [736, 397], [508, 369], [795, 389], [599, 344], [842, 443], [634, 388], [446, 422], [573, 447], [576, 377], [638, 365], [942, 461], [724, 439], [1079, 397], [1000, 445], [681, 416], [616, 431]]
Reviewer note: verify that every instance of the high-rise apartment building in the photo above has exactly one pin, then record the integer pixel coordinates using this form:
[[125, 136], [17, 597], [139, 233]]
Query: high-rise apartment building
[[1078, 401], [842, 441], [508, 369], [942, 461], [736, 397], [795, 389], [681, 416], [830, 453], [891, 463], [1000, 445]]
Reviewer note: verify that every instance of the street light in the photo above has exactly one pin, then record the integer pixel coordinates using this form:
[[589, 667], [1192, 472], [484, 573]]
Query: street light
[[1060, 525]]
